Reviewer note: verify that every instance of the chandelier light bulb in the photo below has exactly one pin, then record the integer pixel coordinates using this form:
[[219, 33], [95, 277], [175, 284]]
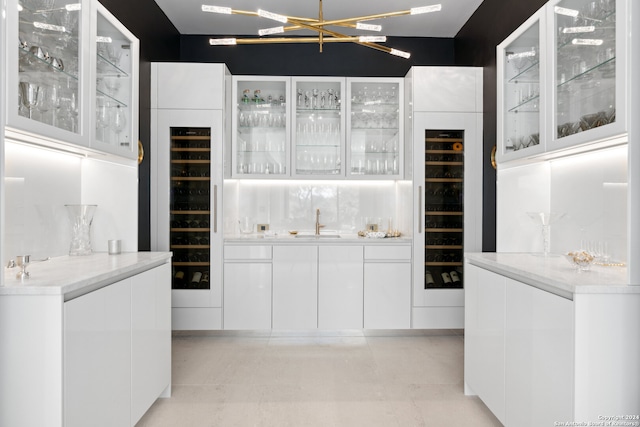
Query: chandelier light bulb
[[400, 53], [216, 9], [372, 39], [368, 27], [426, 9], [274, 30], [222, 42]]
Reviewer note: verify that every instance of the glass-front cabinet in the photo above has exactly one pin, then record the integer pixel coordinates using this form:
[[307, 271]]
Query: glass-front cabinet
[[589, 70], [116, 65], [72, 76], [375, 132], [47, 84], [261, 134], [562, 79], [521, 92], [318, 127]]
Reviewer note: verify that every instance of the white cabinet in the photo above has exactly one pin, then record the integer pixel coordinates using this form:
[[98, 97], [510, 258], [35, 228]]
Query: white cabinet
[[189, 127], [188, 86], [340, 287], [150, 338], [97, 350], [74, 83], [247, 287], [375, 114], [387, 287], [538, 356], [318, 135], [295, 287], [115, 62], [562, 80], [519, 350], [261, 127], [484, 338], [447, 184]]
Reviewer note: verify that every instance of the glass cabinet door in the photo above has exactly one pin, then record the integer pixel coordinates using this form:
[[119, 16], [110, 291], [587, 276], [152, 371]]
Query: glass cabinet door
[[374, 126], [46, 85], [116, 56], [589, 57], [318, 139], [261, 123], [519, 65]]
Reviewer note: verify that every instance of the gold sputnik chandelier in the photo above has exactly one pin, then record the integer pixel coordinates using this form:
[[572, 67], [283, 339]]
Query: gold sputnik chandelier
[[318, 25]]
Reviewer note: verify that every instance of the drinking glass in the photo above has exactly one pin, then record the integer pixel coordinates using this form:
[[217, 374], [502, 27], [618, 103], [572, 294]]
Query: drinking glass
[[119, 122], [29, 93], [47, 103], [102, 120]]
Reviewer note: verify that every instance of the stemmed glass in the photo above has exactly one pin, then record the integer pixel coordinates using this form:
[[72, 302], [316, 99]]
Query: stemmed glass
[[103, 119], [47, 103], [545, 219], [119, 122], [29, 93]]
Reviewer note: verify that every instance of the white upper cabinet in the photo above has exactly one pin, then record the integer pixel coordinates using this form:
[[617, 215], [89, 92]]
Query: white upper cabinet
[[47, 64], [562, 80], [72, 77], [588, 71], [521, 90], [261, 124], [374, 128], [189, 86], [438, 89], [116, 85], [318, 133]]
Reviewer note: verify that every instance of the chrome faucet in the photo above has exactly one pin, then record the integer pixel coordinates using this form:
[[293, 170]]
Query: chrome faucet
[[318, 225]]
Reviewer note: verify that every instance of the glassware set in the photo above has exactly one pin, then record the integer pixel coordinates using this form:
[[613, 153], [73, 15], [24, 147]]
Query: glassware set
[[585, 74], [318, 99], [374, 128], [48, 63]]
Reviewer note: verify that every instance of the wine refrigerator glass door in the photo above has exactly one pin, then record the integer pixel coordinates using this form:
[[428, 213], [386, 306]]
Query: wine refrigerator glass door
[[444, 209]]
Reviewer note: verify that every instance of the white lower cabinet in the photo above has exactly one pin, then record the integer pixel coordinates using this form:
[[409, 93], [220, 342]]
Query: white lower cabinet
[[117, 350], [519, 355], [150, 338], [97, 358], [387, 287], [247, 287], [484, 332], [340, 287], [538, 356], [295, 287], [387, 295]]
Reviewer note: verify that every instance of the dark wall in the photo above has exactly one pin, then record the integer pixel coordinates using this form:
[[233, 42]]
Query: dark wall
[[159, 41], [337, 59], [475, 45]]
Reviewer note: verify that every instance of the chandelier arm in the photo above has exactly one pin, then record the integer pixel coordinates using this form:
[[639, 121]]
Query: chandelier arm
[[320, 34], [274, 40]]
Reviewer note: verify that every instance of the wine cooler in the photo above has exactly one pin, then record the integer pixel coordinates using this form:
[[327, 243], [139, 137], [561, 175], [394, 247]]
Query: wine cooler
[[190, 206], [444, 208]]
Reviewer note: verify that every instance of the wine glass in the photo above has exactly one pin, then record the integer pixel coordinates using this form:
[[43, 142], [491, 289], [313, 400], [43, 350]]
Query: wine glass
[[47, 102], [103, 119], [29, 93], [119, 122], [545, 219]]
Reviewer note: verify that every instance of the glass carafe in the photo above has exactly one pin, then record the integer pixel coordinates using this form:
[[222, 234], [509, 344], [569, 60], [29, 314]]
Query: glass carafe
[[81, 217]]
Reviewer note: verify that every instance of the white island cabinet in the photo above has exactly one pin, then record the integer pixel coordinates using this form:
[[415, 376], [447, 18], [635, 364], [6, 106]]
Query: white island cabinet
[[545, 344], [93, 349]]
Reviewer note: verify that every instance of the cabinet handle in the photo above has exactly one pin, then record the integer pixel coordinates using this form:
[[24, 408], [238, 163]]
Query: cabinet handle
[[420, 210], [215, 208]]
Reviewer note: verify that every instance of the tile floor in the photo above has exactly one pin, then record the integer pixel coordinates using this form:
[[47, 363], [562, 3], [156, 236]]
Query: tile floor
[[345, 378]]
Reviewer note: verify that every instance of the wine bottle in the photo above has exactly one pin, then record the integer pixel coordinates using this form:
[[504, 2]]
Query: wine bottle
[[178, 280], [446, 278], [428, 278], [195, 279], [454, 277], [204, 282]]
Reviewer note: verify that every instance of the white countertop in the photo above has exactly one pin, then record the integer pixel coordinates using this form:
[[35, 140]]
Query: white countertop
[[286, 238], [72, 276], [554, 273]]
